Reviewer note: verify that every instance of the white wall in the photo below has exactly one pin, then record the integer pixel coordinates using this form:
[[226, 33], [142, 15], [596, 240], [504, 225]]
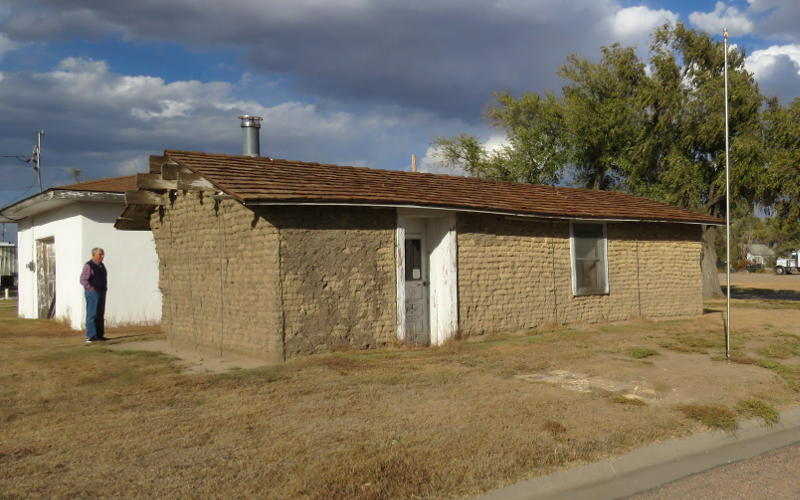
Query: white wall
[[443, 294], [131, 259], [64, 224]]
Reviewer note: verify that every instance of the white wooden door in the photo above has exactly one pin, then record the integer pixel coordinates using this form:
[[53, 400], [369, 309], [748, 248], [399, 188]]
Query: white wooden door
[[46, 277], [416, 284]]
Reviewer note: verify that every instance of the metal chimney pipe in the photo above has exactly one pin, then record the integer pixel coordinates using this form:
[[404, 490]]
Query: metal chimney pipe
[[250, 135]]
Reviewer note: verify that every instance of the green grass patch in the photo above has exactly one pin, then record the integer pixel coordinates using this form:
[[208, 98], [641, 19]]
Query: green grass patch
[[143, 355], [641, 352], [790, 374], [780, 350], [682, 348], [715, 417], [263, 373], [125, 375], [752, 408], [72, 354]]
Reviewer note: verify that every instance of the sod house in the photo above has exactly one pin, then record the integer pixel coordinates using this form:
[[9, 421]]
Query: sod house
[[274, 258]]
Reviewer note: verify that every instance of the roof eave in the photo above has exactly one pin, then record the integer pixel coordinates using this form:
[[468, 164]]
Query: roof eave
[[53, 198], [481, 211]]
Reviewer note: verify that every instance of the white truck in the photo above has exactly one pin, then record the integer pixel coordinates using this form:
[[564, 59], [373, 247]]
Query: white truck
[[788, 265]]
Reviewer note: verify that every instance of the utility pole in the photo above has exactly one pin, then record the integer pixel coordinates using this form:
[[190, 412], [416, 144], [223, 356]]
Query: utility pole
[[37, 153], [727, 207]]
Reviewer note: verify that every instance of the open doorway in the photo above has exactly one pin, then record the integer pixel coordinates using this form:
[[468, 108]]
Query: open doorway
[[46, 277], [427, 284]]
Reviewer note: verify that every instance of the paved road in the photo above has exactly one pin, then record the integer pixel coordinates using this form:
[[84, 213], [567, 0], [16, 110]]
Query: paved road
[[774, 475]]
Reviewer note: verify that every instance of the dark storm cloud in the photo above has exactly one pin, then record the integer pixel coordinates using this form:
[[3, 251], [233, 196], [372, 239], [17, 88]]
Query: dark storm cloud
[[106, 124], [777, 19], [446, 56]]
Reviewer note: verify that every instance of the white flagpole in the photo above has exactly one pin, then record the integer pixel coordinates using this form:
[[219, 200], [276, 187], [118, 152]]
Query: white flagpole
[[727, 208]]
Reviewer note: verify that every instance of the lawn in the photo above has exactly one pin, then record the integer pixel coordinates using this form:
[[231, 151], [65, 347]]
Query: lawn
[[453, 421]]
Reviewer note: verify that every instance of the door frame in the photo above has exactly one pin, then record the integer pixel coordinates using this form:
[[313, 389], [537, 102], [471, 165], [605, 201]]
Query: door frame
[[442, 273], [424, 278]]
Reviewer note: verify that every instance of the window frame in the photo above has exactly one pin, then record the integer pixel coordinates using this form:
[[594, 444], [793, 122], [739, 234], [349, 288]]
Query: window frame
[[573, 261]]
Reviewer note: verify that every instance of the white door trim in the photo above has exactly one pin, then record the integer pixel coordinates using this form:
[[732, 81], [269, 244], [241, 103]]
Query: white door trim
[[441, 259]]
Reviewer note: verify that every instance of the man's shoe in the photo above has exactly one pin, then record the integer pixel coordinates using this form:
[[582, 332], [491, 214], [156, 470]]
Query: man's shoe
[[102, 339], [91, 341]]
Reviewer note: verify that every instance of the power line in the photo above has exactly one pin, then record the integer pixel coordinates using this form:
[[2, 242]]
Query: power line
[[35, 158]]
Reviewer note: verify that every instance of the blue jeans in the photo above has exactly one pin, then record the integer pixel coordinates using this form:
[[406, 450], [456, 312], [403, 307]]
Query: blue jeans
[[95, 312]]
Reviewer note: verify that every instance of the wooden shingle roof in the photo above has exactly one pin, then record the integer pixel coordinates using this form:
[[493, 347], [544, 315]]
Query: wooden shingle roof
[[254, 180], [107, 185]]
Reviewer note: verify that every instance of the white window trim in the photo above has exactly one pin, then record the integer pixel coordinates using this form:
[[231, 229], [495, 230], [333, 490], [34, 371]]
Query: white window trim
[[572, 258]]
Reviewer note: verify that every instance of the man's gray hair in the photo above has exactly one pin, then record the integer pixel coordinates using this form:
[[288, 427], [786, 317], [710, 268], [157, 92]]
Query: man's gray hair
[[97, 249]]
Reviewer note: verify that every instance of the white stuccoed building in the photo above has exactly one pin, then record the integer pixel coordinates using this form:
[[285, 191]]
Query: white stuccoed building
[[57, 230]]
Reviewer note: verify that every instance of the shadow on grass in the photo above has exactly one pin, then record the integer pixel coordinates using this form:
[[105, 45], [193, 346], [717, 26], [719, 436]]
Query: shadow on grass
[[739, 292]]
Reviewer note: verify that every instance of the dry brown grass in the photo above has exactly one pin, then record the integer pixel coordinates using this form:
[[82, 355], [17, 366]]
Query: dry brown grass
[[79, 421]]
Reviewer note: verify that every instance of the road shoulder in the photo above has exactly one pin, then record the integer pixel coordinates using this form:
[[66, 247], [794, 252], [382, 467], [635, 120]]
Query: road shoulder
[[655, 465]]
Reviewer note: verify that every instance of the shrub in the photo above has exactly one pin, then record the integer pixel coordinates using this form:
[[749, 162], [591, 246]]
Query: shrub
[[756, 408]]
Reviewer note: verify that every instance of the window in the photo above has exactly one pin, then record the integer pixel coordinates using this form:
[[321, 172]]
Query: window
[[589, 266], [413, 259]]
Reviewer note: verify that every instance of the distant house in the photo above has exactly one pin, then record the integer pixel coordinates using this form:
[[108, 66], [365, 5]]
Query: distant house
[[8, 265], [759, 254], [275, 258], [57, 230]]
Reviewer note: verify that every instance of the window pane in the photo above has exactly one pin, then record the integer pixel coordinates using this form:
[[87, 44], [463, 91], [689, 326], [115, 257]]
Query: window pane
[[587, 248], [588, 243], [413, 260], [587, 276], [587, 230]]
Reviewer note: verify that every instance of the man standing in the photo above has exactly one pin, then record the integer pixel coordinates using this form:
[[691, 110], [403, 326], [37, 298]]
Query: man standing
[[95, 284]]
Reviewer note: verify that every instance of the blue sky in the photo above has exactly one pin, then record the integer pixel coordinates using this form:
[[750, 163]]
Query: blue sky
[[361, 82]]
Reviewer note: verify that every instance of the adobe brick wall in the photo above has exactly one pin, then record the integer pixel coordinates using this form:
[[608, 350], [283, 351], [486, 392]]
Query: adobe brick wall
[[516, 274], [219, 277], [337, 277], [275, 282], [279, 282]]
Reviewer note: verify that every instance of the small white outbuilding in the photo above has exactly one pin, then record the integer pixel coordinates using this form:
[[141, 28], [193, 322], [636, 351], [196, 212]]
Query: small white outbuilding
[[57, 230]]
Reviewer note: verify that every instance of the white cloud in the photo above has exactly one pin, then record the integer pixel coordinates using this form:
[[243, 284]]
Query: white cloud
[[6, 45], [638, 22], [496, 143], [761, 61], [135, 165], [777, 70], [432, 161], [722, 16], [144, 106]]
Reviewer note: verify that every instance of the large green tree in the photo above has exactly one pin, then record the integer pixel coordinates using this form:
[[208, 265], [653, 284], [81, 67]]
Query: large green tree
[[536, 151], [654, 129], [781, 129]]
